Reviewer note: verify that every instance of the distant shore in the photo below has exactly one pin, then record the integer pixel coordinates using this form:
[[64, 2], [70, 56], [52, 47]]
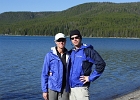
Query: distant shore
[[115, 37], [68, 36]]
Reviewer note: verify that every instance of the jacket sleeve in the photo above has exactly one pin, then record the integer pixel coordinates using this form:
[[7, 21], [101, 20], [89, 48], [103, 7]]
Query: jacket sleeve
[[44, 75], [99, 65]]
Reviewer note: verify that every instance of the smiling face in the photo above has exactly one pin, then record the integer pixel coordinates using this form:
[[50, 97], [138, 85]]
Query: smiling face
[[76, 41], [60, 43]]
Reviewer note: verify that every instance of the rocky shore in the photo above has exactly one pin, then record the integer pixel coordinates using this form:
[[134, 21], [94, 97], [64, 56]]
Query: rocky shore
[[135, 95]]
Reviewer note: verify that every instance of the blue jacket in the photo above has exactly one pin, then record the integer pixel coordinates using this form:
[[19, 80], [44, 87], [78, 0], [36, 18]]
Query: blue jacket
[[52, 64], [82, 61]]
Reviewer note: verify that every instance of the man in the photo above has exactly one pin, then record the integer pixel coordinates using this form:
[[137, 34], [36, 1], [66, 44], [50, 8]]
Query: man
[[82, 58], [54, 72]]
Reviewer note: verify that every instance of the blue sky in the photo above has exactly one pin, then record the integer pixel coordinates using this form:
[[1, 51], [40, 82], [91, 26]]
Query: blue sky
[[47, 5]]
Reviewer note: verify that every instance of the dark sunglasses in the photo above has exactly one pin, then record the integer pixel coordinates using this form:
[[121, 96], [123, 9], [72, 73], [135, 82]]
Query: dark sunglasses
[[61, 40], [77, 37]]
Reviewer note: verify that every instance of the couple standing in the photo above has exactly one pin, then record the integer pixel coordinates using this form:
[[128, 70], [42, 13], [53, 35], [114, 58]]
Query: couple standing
[[66, 75]]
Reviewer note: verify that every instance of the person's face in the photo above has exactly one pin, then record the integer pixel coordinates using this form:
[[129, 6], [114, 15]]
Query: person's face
[[76, 40], [61, 42]]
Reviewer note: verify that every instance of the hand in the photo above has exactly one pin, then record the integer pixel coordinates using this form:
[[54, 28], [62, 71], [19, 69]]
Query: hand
[[84, 79], [45, 96]]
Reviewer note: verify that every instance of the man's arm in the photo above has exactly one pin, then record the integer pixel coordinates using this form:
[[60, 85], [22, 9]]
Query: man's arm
[[99, 66]]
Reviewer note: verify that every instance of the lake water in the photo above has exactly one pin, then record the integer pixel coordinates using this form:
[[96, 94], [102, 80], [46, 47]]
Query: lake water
[[21, 60]]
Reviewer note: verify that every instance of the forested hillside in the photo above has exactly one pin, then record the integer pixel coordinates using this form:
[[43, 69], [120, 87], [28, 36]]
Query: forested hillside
[[92, 19]]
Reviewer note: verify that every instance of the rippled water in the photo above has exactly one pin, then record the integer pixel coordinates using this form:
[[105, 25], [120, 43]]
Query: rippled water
[[21, 59]]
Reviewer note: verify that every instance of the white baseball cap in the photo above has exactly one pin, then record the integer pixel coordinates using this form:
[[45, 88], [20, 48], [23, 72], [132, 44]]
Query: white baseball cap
[[58, 36]]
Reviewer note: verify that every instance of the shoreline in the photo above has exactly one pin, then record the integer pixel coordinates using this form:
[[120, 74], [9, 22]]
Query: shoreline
[[83, 37], [133, 95]]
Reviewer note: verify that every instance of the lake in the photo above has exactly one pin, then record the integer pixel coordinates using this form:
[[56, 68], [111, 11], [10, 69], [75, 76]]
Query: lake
[[21, 60]]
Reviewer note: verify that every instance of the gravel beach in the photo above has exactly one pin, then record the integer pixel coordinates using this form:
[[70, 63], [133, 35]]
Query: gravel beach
[[135, 95]]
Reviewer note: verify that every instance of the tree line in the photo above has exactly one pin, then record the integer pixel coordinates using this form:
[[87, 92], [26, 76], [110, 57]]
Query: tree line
[[92, 19]]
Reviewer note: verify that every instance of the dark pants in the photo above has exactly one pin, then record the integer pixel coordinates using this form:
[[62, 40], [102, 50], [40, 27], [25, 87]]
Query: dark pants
[[54, 95]]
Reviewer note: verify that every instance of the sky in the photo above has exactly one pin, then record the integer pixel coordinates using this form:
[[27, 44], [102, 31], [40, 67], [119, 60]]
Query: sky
[[47, 5]]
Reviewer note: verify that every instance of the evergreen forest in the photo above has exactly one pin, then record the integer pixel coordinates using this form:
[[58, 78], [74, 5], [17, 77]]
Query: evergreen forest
[[94, 19]]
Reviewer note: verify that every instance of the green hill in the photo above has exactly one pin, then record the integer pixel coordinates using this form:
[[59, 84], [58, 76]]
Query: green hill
[[12, 17], [95, 19]]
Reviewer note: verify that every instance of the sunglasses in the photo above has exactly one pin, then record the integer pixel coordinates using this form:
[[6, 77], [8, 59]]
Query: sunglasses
[[61, 40], [77, 37]]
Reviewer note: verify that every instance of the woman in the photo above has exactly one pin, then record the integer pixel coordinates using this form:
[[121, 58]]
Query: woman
[[55, 70]]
